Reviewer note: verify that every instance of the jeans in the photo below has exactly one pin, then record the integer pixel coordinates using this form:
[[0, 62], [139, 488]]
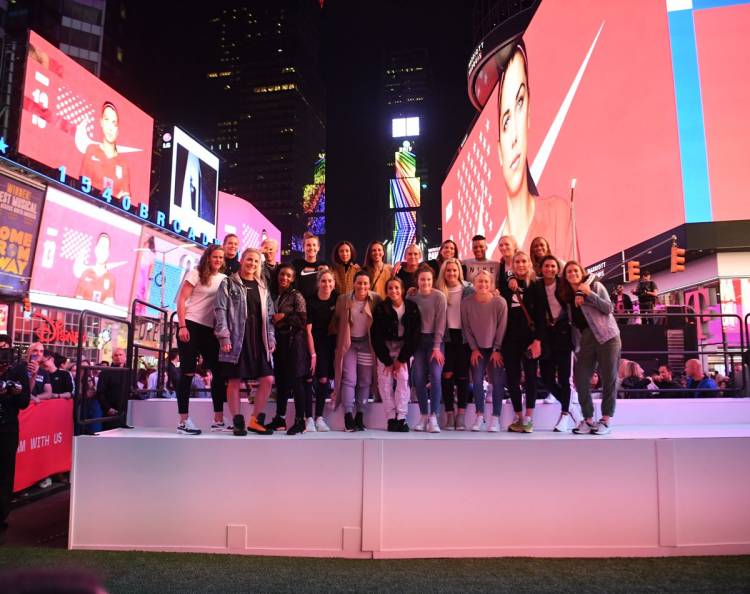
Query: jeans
[[604, 357], [356, 375], [395, 399], [423, 366], [497, 377]]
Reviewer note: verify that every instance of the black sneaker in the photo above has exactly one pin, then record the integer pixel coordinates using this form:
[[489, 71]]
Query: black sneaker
[[261, 418], [277, 423], [298, 427], [239, 426], [359, 422], [402, 426], [392, 425], [349, 422]]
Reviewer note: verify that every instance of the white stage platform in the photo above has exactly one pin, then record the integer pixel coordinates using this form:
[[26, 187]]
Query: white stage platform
[[647, 489]]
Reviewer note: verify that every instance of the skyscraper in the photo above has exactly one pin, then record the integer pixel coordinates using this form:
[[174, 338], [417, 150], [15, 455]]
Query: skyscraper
[[268, 105]]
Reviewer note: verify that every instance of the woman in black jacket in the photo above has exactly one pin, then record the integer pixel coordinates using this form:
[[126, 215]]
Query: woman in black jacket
[[551, 320], [292, 354], [396, 327]]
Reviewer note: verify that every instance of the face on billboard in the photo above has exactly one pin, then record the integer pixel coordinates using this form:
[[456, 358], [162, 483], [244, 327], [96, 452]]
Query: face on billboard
[[194, 185], [85, 256], [611, 112], [240, 217], [73, 120]]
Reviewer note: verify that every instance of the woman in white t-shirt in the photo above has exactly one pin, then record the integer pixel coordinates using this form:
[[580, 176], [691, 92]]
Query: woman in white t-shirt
[[195, 312]]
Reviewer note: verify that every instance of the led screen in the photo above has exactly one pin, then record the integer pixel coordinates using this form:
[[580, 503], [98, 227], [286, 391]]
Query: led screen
[[85, 256], [238, 216], [653, 126], [72, 119]]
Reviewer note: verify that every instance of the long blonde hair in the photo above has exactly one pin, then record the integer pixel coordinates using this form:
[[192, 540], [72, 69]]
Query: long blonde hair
[[440, 283]]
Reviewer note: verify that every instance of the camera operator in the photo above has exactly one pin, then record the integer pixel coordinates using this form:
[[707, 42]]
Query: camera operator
[[14, 396]]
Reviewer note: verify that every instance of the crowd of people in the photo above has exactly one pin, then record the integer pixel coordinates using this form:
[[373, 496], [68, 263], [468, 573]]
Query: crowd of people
[[339, 332]]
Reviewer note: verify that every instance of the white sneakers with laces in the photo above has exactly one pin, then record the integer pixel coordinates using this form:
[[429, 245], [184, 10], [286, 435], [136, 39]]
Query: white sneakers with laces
[[432, 424], [479, 424]]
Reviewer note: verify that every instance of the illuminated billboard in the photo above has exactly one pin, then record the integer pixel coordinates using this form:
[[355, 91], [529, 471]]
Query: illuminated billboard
[[71, 120], [238, 216], [85, 256], [405, 189], [655, 130]]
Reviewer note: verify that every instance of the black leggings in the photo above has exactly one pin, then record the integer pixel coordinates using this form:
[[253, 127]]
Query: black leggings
[[555, 369], [456, 361], [202, 342], [515, 359]]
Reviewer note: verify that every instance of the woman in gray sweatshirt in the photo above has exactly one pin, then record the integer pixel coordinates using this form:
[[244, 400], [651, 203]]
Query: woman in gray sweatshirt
[[429, 359]]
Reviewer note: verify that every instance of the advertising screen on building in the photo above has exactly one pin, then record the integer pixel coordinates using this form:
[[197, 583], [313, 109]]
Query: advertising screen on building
[[71, 119], [653, 128], [191, 177], [20, 211], [85, 256], [238, 216], [161, 261]]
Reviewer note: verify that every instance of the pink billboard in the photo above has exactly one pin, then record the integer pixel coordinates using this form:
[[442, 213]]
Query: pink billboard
[[238, 216], [85, 256]]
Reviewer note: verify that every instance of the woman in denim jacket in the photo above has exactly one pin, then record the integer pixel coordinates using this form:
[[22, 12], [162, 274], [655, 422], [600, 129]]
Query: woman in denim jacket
[[596, 338], [244, 312]]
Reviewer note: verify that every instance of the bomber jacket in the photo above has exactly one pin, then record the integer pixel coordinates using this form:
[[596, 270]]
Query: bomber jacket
[[230, 309], [385, 328]]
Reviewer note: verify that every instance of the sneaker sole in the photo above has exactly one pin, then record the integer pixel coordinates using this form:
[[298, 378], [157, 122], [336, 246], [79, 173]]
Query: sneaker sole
[[188, 432]]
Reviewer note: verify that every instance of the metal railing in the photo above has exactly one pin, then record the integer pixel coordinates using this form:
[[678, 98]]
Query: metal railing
[[162, 349]]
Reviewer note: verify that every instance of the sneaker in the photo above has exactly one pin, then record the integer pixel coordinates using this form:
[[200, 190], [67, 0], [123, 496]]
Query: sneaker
[[261, 418], [528, 425], [321, 426], [392, 425], [47, 482], [601, 428], [550, 399], [450, 421], [478, 424], [349, 423], [297, 428], [359, 422], [563, 424], [494, 425], [256, 426], [401, 426], [584, 427], [238, 426], [422, 424], [277, 424], [432, 424], [516, 426], [310, 425], [460, 422], [221, 426], [188, 428]]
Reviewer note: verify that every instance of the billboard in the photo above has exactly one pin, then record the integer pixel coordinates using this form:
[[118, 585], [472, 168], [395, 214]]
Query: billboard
[[162, 261], [85, 256], [191, 176], [238, 216], [71, 120], [20, 211], [653, 128]]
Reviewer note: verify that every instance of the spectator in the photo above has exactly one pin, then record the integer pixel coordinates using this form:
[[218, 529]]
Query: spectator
[[38, 378], [699, 384], [739, 379], [173, 370], [596, 382], [636, 381], [646, 291], [623, 304], [60, 380], [112, 391]]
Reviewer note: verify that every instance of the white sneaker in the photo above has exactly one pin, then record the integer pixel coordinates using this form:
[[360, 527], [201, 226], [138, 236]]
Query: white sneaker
[[494, 425], [188, 428], [321, 426], [432, 425], [602, 428], [460, 422], [422, 424], [478, 424], [450, 421], [310, 425], [584, 427], [550, 399], [564, 424], [222, 425]]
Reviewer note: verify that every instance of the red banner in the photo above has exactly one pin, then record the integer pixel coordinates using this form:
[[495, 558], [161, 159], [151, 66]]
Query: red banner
[[46, 441]]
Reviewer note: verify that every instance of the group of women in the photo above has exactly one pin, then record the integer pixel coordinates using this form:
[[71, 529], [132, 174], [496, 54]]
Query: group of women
[[379, 330]]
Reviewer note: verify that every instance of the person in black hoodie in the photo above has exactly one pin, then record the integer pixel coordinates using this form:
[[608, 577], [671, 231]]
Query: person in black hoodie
[[306, 269], [551, 320], [396, 326], [521, 345]]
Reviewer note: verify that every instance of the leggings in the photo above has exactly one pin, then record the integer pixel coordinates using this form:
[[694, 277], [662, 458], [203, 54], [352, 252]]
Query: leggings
[[456, 362], [202, 342], [555, 371], [515, 359]]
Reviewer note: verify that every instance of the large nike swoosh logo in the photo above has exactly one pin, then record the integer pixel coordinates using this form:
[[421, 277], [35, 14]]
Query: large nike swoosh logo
[[542, 156]]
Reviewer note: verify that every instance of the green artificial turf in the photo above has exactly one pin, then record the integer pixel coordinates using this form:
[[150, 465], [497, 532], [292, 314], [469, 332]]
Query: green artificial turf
[[170, 572]]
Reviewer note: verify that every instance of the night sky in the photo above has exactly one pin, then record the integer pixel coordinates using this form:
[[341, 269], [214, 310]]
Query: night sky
[[168, 62]]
